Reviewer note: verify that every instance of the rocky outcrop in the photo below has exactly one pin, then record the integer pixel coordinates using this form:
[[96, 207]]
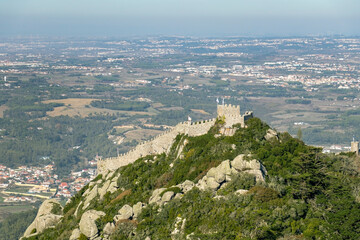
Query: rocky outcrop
[[102, 191], [215, 178], [90, 196], [186, 186], [253, 167], [75, 234], [156, 196], [126, 212], [218, 176], [137, 208], [241, 191], [271, 133], [87, 223], [45, 218], [109, 229]]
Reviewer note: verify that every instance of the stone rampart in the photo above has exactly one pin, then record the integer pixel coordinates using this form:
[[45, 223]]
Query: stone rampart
[[157, 145], [164, 141]]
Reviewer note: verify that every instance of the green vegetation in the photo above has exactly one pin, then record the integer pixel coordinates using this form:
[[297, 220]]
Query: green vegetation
[[121, 105], [56, 209], [53, 140], [306, 194], [14, 226], [297, 101]]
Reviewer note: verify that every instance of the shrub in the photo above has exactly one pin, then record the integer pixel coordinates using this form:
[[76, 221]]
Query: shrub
[[172, 189], [263, 194], [238, 181]]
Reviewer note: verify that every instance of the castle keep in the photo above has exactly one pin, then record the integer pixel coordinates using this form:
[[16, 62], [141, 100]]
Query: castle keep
[[164, 141]]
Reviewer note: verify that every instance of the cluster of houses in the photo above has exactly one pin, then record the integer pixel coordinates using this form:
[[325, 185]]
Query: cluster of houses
[[40, 182]]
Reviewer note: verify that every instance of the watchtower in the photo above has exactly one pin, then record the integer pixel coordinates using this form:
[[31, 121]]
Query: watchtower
[[355, 147], [228, 110]]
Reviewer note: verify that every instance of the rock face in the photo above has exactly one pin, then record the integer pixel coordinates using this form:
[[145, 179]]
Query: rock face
[[186, 186], [218, 176], [109, 186], [126, 212], [75, 234], [253, 167], [87, 223], [270, 134], [109, 229], [90, 196], [44, 218], [102, 191], [137, 208], [156, 196]]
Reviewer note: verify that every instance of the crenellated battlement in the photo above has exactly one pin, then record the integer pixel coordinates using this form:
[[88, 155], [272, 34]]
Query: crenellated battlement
[[164, 141], [228, 110]]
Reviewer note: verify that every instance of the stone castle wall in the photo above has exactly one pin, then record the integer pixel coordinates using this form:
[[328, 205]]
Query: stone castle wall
[[164, 141], [228, 110]]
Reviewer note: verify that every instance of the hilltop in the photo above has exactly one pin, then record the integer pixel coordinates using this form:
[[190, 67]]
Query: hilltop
[[232, 177]]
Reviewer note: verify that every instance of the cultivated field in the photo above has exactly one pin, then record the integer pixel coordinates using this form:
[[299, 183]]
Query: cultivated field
[[81, 107]]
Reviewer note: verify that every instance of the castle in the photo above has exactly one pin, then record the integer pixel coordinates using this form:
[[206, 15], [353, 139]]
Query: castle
[[164, 141]]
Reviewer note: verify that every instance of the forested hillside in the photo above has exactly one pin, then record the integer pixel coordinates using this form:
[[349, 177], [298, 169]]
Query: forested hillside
[[284, 190]]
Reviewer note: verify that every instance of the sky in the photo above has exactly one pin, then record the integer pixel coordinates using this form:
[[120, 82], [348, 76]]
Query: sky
[[208, 18]]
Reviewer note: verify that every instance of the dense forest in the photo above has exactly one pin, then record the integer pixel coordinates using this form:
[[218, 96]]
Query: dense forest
[[14, 226]]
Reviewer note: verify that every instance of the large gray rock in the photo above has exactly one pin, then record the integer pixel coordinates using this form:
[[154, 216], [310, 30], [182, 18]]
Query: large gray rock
[[87, 223], [126, 212], [77, 209], [186, 186], [202, 185], [90, 196], [102, 191], [113, 187], [167, 196], [44, 218], [75, 234], [259, 175], [137, 208], [212, 184], [222, 171], [270, 134], [240, 164], [211, 172], [253, 167], [241, 191], [178, 196], [156, 196], [109, 228]]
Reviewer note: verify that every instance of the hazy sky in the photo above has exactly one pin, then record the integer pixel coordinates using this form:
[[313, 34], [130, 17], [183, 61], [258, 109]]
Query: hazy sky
[[179, 17]]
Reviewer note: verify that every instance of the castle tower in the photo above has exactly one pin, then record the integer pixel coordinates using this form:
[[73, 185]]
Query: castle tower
[[355, 147], [230, 113]]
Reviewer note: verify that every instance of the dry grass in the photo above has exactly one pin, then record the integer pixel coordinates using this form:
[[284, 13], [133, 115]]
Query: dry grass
[[134, 222], [81, 107], [200, 111], [141, 134], [171, 109], [121, 195]]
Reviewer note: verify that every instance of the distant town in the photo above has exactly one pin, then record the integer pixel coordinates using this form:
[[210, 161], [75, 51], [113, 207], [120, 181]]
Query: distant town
[[27, 184]]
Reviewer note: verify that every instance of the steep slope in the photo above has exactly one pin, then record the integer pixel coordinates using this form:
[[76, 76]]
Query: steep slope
[[255, 184]]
